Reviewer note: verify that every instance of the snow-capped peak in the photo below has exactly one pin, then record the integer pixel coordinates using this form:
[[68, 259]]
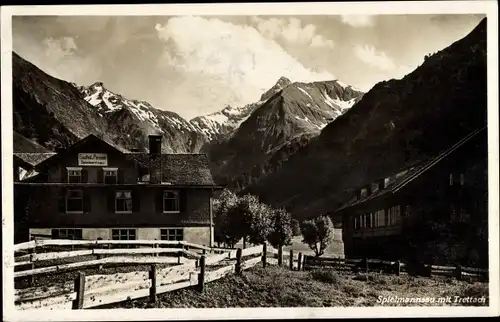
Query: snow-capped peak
[[106, 102], [280, 84]]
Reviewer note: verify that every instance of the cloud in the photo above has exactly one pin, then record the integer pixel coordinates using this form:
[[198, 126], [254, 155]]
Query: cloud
[[59, 48], [234, 61], [369, 55], [57, 57], [291, 30], [358, 20]]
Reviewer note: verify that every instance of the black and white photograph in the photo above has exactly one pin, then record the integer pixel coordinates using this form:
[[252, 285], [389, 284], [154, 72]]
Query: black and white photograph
[[253, 160]]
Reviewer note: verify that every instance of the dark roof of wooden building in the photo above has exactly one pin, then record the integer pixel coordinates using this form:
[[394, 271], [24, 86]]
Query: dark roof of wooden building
[[403, 178], [33, 158], [177, 169]]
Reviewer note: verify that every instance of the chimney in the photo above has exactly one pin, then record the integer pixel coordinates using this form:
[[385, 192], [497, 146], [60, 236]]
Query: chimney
[[381, 184], [369, 189], [155, 160], [154, 144]]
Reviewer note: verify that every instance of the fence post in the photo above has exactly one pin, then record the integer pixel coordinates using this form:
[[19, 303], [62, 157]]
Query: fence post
[[458, 272], [280, 255], [32, 255], [201, 276], [179, 257], [291, 259], [152, 289], [264, 255], [366, 264], [80, 291], [398, 268], [238, 261], [299, 262]]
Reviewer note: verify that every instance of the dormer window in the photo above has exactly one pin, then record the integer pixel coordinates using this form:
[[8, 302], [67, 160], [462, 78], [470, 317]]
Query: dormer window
[[110, 175], [74, 175]]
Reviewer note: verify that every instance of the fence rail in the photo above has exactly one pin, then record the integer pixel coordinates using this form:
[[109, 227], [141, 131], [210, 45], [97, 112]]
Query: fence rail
[[194, 266], [396, 267], [102, 289]]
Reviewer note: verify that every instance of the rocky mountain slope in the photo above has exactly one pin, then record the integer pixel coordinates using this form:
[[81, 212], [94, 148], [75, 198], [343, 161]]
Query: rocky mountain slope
[[292, 114], [56, 113], [48, 110], [23, 144], [133, 120], [395, 124], [216, 125]]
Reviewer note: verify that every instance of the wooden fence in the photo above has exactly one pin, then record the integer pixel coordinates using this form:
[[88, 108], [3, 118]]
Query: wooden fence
[[199, 265], [392, 267]]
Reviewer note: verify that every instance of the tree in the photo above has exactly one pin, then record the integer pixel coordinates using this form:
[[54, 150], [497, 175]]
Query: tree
[[295, 227], [251, 219], [281, 229], [260, 223], [222, 207], [317, 233]]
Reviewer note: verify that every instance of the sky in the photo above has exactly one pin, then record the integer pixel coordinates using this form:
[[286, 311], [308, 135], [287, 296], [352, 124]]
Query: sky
[[196, 65]]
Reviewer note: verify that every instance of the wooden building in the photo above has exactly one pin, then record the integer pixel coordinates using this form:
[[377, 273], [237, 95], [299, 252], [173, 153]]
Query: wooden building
[[94, 190], [435, 210]]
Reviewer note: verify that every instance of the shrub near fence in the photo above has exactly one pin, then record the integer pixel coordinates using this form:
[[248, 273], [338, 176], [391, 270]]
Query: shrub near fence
[[97, 290]]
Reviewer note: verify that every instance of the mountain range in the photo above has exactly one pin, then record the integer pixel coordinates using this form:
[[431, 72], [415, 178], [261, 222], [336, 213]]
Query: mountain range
[[304, 146], [284, 115], [396, 124]]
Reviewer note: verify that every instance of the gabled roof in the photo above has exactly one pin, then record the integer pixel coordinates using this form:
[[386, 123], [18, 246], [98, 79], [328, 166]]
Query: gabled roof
[[403, 178], [32, 159], [90, 139], [177, 169]]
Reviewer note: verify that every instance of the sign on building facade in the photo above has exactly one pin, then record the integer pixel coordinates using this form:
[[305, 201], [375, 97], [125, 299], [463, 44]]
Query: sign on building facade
[[92, 159]]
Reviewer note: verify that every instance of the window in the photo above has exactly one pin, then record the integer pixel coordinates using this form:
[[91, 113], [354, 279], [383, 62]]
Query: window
[[172, 234], [75, 234], [356, 223], [123, 234], [171, 201], [110, 175], [451, 179], [380, 218], [462, 179], [74, 201], [123, 201], [74, 175], [394, 215], [369, 221]]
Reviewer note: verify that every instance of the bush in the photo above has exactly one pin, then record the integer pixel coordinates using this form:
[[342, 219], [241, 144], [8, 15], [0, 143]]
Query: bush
[[326, 276]]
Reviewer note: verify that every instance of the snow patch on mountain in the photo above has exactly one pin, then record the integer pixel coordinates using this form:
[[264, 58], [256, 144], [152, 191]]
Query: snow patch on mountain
[[306, 93]]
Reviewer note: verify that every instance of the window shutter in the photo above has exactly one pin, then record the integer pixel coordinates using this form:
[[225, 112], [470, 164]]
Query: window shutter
[[159, 200], [120, 176], [100, 175], [136, 201], [85, 175], [62, 201], [182, 200], [64, 175], [86, 200], [111, 200]]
